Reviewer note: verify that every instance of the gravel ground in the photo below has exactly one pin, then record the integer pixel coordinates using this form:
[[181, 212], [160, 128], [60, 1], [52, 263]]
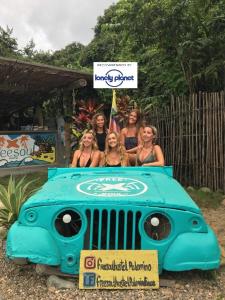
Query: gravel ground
[[22, 282]]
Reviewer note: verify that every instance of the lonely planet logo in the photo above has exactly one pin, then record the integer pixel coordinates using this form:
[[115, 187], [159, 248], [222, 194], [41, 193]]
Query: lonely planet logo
[[115, 75], [112, 187]]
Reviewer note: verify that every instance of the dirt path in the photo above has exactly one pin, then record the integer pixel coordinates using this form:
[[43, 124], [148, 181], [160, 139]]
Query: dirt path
[[18, 283]]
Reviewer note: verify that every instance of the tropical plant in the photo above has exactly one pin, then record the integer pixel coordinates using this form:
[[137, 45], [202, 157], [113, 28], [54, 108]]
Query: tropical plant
[[82, 119], [12, 197]]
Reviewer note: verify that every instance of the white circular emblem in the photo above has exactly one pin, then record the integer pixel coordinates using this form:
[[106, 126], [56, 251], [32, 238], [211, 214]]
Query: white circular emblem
[[112, 187]]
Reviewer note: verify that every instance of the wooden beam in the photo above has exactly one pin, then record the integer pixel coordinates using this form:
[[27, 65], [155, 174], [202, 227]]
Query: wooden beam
[[77, 84]]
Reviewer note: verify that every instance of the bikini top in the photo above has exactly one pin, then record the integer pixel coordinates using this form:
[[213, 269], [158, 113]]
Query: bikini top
[[87, 164], [108, 165], [131, 142], [150, 158]]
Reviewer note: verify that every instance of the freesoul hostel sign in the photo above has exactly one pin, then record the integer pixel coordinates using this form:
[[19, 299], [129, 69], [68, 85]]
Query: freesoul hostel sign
[[119, 269], [115, 75], [112, 187]]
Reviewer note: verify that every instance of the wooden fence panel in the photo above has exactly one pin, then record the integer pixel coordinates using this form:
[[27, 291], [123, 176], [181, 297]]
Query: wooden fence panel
[[192, 136]]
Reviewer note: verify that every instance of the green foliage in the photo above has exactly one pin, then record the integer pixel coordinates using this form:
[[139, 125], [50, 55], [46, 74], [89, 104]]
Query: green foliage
[[8, 44], [29, 49], [178, 44], [68, 57], [12, 197]]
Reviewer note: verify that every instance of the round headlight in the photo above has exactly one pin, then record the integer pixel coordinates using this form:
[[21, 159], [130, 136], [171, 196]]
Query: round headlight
[[68, 223], [157, 226]]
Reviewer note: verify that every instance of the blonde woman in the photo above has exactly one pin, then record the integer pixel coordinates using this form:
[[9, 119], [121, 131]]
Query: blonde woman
[[88, 154], [115, 154], [149, 154]]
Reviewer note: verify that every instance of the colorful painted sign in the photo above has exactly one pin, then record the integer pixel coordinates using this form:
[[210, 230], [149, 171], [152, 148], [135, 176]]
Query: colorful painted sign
[[27, 149], [119, 269], [112, 187]]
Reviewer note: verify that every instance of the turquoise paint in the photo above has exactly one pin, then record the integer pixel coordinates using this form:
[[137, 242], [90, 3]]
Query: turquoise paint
[[133, 193], [34, 243], [203, 252]]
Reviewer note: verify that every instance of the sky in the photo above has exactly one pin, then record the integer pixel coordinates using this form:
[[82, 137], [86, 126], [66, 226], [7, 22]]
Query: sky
[[52, 24]]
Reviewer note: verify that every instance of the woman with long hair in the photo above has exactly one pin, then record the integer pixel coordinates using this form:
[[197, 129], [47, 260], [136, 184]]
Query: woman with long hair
[[115, 154], [88, 154], [149, 154], [100, 130], [131, 134]]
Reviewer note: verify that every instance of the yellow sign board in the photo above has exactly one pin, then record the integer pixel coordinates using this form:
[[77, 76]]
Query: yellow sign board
[[119, 269]]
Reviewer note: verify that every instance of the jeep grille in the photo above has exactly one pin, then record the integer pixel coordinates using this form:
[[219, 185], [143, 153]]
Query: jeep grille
[[112, 229]]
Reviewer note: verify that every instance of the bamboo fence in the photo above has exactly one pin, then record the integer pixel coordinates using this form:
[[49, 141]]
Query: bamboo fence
[[192, 136]]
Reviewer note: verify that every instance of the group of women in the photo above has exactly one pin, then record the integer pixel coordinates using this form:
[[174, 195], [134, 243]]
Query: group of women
[[135, 145]]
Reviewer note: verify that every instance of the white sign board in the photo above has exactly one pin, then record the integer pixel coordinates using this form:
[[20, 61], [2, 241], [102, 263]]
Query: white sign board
[[115, 75]]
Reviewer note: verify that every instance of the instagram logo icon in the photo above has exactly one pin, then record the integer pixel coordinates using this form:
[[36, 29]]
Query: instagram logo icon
[[89, 262]]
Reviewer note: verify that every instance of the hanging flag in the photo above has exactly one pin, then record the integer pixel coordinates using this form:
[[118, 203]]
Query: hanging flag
[[113, 126]]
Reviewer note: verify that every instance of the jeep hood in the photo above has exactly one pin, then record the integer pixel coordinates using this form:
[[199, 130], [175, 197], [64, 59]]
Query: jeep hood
[[141, 186]]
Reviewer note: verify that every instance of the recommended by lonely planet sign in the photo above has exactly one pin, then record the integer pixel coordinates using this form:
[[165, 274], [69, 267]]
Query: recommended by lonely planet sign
[[115, 75]]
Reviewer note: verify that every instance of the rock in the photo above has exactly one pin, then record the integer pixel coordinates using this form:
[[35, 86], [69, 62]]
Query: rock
[[20, 261], [205, 189], [40, 269], [190, 189], [166, 283], [51, 270], [59, 283]]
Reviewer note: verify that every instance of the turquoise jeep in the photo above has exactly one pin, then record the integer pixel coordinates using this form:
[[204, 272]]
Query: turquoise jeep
[[113, 208]]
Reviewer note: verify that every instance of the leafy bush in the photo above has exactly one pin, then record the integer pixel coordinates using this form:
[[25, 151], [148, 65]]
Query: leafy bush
[[12, 197]]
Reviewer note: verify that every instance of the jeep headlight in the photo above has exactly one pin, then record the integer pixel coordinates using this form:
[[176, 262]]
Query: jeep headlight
[[157, 226], [68, 223]]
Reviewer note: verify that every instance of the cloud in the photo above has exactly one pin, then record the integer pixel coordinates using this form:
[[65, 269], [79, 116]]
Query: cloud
[[52, 24]]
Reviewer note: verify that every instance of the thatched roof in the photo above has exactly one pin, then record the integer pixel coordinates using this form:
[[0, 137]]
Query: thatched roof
[[23, 84]]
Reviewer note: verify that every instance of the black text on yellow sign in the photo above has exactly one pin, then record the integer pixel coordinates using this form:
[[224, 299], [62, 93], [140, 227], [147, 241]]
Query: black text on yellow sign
[[119, 269]]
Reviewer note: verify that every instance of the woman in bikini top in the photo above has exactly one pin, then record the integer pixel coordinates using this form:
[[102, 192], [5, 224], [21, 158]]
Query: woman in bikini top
[[115, 154], [88, 154], [149, 154], [131, 134], [87, 164]]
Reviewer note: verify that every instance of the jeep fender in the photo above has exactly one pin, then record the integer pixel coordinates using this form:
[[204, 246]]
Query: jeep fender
[[193, 250], [32, 243]]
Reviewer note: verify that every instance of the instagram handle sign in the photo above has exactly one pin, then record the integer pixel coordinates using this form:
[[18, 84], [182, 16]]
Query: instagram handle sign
[[89, 262]]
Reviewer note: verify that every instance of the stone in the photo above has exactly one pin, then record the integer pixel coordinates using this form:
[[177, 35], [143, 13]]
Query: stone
[[40, 269], [190, 189], [205, 189], [59, 283], [51, 270], [166, 283], [20, 261]]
